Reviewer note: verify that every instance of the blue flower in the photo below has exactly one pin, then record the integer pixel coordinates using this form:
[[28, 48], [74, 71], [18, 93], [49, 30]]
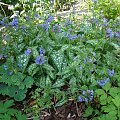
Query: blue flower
[[41, 50], [36, 15], [88, 95], [14, 22], [39, 59], [103, 82], [81, 99], [1, 22], [23, 27], [110, 73], [1, 56], [85, 60], [64, 33], [56, 28], [49, 18], [72, 36], [27, 18], [5, 56], [91, 60], [109, 32], [28, 51], [45, 26], [117, 34]]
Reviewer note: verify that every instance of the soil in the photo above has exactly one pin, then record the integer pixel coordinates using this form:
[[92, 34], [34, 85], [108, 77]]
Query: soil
[[69, 111]]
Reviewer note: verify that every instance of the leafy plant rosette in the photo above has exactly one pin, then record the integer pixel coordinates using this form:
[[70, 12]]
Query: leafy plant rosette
[[62, 59]]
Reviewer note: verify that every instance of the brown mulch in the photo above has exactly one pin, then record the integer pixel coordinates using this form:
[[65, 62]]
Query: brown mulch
[[69, 111]]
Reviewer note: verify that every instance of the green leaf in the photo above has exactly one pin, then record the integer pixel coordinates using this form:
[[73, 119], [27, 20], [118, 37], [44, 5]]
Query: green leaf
[[23, 60], [116, 101], [21, 116], [19, 95], [114, 91], [33, 69], [48, 81], [8, 103], [48, 67], [103, 97], [88, 112], [108, 108], [59, 83], [28, 82], [61, 102], [16, 79], [35, 53], [107, 86], [57, 58], [100, 92]]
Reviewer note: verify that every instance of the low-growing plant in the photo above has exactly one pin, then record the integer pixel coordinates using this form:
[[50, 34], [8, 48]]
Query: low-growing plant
[[7, 112], [60, 59]]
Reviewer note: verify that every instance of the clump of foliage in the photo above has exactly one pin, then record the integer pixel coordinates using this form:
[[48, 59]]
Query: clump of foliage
[[61, 59], [9, 113]]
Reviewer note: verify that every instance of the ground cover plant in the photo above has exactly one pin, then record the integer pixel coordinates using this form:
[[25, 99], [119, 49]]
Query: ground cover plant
[[47, 61]]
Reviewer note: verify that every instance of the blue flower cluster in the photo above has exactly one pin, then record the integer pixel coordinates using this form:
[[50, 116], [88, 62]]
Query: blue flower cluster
[[40, 58], [2, 22], [87, 95], [15, 22], [103, 82], [45, 26], [72, 36]]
